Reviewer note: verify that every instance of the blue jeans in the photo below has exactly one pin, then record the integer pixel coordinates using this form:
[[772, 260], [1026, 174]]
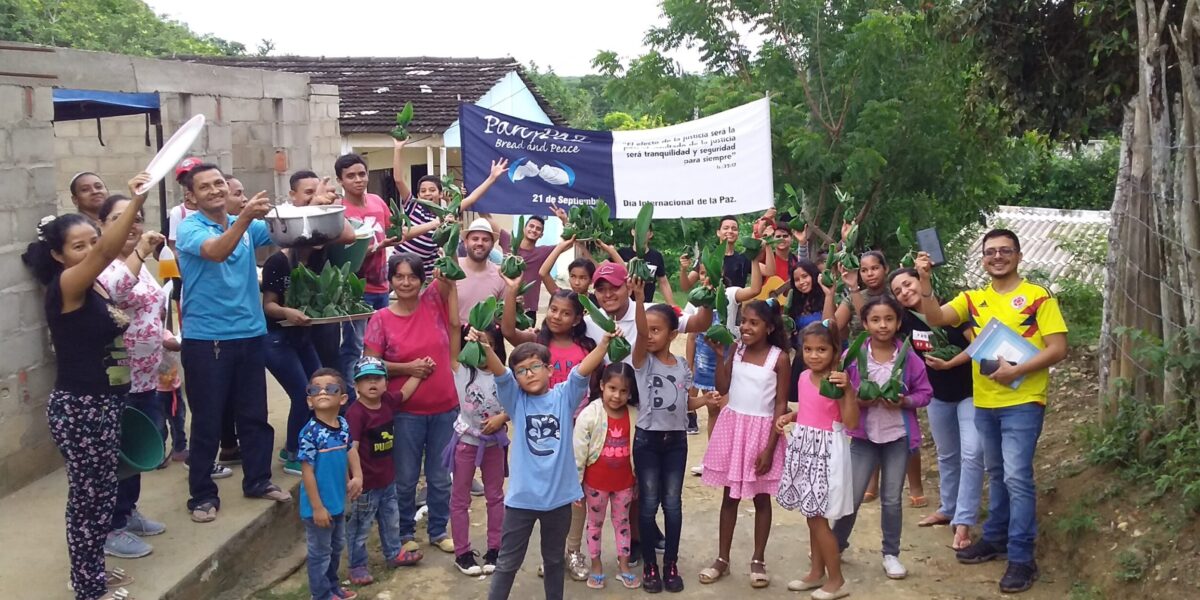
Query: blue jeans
[[892, 460], [227, 375], [174, 411], [960, 459], [421, 439], [291, 359], [130, 488], [352, 337], [324, 553], [659, 459], [373, 506], [1009, 436]]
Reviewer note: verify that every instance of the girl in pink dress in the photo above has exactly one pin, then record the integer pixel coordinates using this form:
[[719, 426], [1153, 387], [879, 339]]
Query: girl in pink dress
[[744, 455]]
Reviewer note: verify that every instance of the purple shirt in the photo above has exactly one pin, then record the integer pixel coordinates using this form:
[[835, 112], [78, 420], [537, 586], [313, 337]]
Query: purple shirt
[[917, 393]]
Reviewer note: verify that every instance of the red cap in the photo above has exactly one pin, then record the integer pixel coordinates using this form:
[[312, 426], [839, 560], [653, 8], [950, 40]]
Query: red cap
[[187, 165], [611, 272]]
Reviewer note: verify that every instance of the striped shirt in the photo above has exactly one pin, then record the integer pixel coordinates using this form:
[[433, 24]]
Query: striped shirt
[[423, 244]]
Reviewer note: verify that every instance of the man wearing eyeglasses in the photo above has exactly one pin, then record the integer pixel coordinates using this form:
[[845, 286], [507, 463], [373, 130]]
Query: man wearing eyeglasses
[[1010, 398]]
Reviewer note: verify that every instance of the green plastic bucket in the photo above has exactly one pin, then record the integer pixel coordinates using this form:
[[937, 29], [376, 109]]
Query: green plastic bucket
[[141, 444], [340, 254]]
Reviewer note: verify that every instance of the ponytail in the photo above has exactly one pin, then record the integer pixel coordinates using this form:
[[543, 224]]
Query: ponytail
[[52, 236]]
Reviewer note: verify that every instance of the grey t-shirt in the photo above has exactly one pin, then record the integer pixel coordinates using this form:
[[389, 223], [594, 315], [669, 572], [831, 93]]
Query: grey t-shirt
[[663, 391]]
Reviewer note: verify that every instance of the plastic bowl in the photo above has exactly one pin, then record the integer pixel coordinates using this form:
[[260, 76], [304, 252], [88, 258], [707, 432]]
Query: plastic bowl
[[141, 444]]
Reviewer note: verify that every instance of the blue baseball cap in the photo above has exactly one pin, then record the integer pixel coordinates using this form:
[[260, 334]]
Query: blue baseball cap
[[369, 365]]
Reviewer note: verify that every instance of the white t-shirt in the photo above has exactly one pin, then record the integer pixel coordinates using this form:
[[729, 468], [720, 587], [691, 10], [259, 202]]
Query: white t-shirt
[[730, 318], [627, 324], [175, 216]]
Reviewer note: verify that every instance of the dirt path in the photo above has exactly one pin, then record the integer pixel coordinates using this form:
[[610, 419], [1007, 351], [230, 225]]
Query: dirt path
[[933, 572]]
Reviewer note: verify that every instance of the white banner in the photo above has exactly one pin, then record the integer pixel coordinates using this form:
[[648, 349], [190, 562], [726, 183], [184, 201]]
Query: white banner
[[715, 166]]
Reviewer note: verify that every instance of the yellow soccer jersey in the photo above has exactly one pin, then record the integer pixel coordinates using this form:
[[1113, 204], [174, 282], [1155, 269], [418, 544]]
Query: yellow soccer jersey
[[1030, 311]]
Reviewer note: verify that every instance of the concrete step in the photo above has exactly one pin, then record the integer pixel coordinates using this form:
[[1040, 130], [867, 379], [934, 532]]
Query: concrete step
[[190, 560]]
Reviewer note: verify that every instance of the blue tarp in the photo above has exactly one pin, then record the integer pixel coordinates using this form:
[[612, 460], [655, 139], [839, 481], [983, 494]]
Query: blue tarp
[[70, 105]]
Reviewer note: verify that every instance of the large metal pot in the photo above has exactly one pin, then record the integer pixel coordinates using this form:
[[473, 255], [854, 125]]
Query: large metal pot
[[291, 226]]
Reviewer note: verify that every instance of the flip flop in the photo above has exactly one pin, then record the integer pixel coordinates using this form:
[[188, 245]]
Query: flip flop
[[934, 519], [918, 501], [596, 581], [868, 497], [629, 580]]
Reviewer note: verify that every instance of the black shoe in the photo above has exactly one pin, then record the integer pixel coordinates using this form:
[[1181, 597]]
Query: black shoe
[[671, 579], [489, 560], [467, 564], [635, 554], [650, 579], [1019, 577], [979, 552], [693, 427]]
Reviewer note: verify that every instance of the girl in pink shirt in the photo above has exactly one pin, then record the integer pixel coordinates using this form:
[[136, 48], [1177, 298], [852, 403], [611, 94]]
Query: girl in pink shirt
[[816, 478]]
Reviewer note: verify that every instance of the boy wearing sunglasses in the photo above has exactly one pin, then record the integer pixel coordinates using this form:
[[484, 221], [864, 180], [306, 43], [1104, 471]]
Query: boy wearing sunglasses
[[327, 455]]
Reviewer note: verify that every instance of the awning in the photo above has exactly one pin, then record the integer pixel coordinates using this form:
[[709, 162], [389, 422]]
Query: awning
[[70, 105]]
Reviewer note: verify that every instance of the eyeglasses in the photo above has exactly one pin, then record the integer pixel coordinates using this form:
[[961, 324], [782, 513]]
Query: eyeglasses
[[781, 235], [534, 368], [1002, 251], [330, 389]]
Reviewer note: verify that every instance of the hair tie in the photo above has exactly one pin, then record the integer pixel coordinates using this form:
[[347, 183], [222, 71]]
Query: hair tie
[[41, 226], [772, 301], [826, 323]]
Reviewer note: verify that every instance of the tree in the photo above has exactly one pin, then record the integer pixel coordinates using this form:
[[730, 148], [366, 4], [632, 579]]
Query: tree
[[121, 26], [570, 100]]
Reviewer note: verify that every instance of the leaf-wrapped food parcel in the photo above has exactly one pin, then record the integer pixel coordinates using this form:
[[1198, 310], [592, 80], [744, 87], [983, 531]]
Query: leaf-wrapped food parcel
[[703, 296], [641, 229], [751, 246], [512, 266], [719, 334], [618, 349]]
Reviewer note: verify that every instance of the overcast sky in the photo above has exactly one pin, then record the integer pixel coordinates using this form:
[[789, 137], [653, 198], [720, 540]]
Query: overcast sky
[[562, 34]]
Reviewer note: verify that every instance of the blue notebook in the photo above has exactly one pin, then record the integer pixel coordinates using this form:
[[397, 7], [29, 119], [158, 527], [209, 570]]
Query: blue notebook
[[997, 341]]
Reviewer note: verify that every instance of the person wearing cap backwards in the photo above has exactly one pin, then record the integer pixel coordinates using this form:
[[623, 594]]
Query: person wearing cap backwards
[[88, 193], [223, 337], [483, 278]]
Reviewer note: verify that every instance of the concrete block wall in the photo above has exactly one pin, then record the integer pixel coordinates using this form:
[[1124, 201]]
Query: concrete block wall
[[27, 149]]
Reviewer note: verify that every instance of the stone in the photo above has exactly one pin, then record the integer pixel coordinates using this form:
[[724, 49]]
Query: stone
[[12, 103], [34, 143], [14, 188]]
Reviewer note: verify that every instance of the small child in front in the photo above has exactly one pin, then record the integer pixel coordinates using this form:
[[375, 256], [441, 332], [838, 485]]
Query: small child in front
[[543, 481], [372, 429], [326, 455]]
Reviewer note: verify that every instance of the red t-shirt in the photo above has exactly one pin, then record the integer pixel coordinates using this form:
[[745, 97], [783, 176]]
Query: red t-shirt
[[374, 267], [613, 471], [373, 430], [404, 339]]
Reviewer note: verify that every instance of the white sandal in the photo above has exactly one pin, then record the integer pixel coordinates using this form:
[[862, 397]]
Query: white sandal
[[114, 578], [711, 575]]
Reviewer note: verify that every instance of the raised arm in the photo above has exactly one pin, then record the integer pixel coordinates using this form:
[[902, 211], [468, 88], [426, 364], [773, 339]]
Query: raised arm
[[494, 366], [937, 316], [639, 317], [75, 281], [498, 169], [665, 285], [398, 170], [687, 277], [756, 284], [218, 248], [595, 358], [548, 265], [613, 254], [508, 321]]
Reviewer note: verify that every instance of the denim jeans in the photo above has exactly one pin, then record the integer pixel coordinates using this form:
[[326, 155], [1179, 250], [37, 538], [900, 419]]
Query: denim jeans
[[224, 375], [291, 359], [659, 459], [892, 460], [324, 554], [352, 337], [960, 459], [130, 488], [174, 411], [373, 506], [1009, 436], [420, 440], [514, 543]]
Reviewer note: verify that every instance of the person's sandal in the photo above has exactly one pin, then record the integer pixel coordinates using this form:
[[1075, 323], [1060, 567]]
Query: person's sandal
[[205, 513], [868, 497], [759, 580], [114, 578], [712, 574], [595, 581], [918, 501], [410, 554], [117, 594], [936, 518], [630, 580], [275, 493]]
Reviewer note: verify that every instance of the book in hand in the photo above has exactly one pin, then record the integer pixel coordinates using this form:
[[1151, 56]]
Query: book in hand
[[997, 342]]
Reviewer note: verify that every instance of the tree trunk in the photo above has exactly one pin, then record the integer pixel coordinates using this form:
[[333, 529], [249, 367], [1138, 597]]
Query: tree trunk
[[1116, 284]]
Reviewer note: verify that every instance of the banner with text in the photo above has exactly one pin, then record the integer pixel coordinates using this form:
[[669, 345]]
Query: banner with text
[[709, 167]]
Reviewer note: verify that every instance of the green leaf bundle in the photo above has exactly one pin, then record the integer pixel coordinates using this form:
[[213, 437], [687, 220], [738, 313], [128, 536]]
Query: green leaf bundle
[[481, 317], [832, 391], [618, 348], [403, 118], [719, 334]]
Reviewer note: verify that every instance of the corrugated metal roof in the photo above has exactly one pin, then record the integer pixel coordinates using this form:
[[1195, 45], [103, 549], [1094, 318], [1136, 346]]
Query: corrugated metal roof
[[1041, 230]]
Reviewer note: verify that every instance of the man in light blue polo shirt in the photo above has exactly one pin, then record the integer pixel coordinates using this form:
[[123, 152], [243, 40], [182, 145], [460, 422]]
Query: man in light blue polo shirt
[[223, 337]]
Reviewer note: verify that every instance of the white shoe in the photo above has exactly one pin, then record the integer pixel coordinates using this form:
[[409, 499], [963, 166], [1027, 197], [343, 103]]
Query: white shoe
[[698, 470], [893, 568]]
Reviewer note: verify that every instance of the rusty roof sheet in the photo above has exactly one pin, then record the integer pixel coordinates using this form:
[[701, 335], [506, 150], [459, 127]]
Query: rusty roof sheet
[[373, 88]]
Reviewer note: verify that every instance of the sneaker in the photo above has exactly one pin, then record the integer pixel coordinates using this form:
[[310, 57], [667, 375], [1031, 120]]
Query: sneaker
[[698, 470], [476, 487], [230, 456], [410, 554], [577, 565], [693, 426], [651, 582], [467, 564], [444, 543], [979, 552], [1019, 577], [218, 472], [139, 525], [122, 544], [284, 455], [180, 456], [361, 576], [422, 493], [489, 561], [671, 579], [893, 568], [292, 467], [344, 594]]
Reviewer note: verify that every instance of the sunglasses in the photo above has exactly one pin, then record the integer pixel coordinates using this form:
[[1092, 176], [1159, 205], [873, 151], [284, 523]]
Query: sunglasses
[[330, 389], [534, 368]]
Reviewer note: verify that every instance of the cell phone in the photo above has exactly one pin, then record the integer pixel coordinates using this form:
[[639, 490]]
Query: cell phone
[[929, 243]]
